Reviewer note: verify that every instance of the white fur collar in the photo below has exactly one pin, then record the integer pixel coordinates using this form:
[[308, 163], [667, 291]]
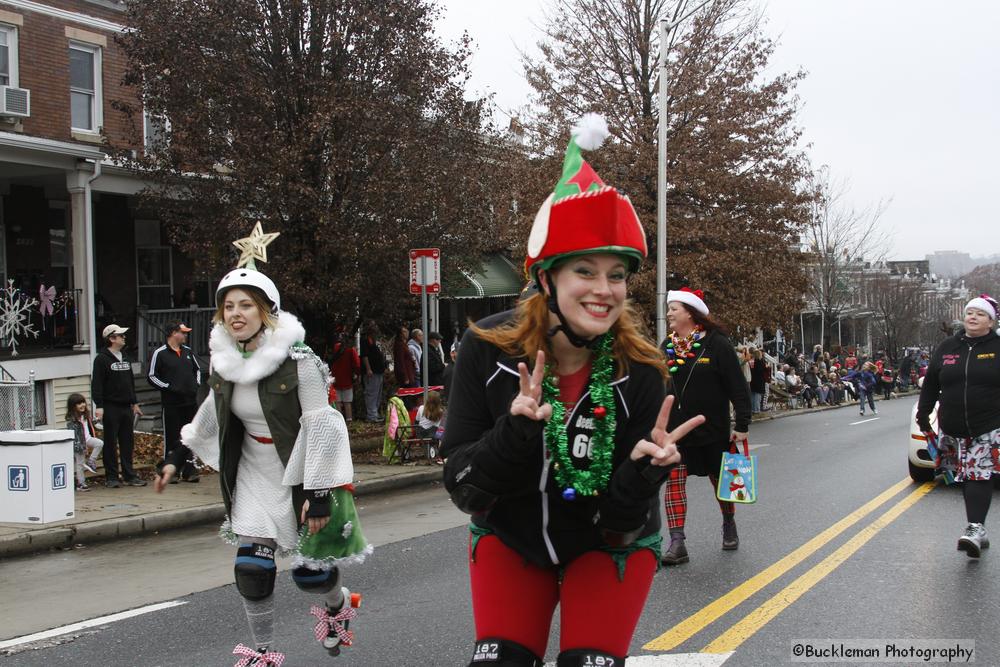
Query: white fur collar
[[271, 352]]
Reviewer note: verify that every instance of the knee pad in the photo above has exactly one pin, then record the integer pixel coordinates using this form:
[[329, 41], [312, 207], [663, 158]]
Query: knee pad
[[316, 581], [588, 657], [255, 571], [503, 653]]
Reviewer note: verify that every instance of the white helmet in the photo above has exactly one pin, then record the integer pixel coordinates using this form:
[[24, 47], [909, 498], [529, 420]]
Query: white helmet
[[244, 277]]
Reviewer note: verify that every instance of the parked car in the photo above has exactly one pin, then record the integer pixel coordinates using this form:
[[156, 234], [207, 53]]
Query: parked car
[[920, 463]]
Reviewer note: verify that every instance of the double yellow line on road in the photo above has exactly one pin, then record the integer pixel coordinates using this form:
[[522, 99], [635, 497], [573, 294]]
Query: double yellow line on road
[[743, 630]]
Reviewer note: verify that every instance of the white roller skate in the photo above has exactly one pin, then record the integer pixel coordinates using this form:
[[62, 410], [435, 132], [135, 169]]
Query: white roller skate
[[331, 624], [257, 657]]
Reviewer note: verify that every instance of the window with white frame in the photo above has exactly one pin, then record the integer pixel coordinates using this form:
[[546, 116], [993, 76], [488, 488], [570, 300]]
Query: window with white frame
[[155, 128], [8, 55], [85, 87]]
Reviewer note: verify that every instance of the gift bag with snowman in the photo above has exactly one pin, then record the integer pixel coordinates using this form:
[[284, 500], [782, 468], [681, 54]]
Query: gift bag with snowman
[[738, 476]]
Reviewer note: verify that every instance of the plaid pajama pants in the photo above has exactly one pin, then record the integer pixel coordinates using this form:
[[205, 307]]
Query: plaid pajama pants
[[675, 497]]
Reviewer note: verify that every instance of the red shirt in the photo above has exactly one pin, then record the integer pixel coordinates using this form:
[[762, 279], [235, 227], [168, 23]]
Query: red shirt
[[344, 367], [571, 387]]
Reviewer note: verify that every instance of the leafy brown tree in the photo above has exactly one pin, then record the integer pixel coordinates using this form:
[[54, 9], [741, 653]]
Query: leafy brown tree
[[984, 279], [341, 124], [735, 205]]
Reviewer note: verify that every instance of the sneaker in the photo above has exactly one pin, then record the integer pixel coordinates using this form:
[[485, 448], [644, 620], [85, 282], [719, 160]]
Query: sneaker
[[113, 484], [90, 466], [730, 540], [82, 487], [676, 553], [974, 540], [261, 657], [874, 411], [194, 478], [135, 481]]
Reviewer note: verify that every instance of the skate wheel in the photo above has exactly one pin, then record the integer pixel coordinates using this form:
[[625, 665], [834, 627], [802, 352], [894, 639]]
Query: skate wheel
[[355, 600]]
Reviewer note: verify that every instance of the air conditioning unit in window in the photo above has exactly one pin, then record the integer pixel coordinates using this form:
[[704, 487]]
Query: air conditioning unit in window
[[15, 102]]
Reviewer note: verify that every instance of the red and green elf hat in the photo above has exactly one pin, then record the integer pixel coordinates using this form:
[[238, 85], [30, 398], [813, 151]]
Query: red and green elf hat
[[583, 215]]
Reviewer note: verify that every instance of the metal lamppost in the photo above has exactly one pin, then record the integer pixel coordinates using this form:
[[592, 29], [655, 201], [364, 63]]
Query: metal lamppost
[[666, 26]]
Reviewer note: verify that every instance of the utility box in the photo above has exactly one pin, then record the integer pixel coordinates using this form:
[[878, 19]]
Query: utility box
[[37, 484]]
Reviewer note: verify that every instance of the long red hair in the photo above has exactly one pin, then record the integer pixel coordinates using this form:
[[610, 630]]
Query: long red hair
[[526, 334]]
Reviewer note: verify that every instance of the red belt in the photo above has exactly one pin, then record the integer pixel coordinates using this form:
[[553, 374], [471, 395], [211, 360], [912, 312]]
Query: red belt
[[261, 439]]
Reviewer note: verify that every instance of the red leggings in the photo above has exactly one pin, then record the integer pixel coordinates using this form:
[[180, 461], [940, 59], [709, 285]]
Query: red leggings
[[514, 600], [675, 497]]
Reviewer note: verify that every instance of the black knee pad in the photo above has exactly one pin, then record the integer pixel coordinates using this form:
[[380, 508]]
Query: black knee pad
[[503, 653], [315, 581], [588, 657], [255, 571]]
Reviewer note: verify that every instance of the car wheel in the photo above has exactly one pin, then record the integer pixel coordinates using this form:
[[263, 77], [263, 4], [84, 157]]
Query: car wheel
[[918, 474]]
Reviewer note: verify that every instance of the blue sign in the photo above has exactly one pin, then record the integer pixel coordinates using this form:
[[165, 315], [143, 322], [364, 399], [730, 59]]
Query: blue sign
[[59, 476], [17, 478]]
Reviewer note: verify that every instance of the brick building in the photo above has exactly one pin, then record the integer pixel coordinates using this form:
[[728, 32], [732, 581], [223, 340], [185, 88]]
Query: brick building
[[69, 220]]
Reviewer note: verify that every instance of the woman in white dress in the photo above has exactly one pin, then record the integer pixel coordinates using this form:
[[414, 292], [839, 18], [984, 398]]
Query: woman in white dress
[[284, 461]]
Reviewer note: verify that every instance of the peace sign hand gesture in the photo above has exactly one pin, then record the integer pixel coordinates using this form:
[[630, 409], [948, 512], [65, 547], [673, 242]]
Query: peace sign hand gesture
[[663, 448], [528, 402]]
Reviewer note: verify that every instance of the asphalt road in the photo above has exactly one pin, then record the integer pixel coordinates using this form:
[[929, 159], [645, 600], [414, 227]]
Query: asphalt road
[[840, 546]]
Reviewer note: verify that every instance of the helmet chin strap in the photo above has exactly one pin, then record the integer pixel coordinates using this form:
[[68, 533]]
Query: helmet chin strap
[[242, 344], [574, 338]]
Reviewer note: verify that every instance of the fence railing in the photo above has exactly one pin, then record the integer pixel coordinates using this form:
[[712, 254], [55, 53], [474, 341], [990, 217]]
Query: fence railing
[[152, 324], [17, 403]]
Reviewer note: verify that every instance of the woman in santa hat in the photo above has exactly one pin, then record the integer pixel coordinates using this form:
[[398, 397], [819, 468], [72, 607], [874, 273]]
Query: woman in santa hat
[[557, 441], [706, 380]]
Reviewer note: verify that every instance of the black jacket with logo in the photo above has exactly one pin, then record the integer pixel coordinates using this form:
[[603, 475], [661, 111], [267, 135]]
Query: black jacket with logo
[[964, 378], [497, 468], [111, 381], [176, 375]]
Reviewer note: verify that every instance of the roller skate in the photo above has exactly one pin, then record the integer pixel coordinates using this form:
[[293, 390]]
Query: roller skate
[[257, 657], [331, 624]]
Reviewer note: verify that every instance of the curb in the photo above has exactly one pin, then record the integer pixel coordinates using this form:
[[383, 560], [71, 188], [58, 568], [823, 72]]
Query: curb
[[818, 408], [104, 530]]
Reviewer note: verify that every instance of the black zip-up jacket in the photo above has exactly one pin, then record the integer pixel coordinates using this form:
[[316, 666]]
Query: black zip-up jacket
[[964, 378], [497, 469], [177, 376], [111, 381]]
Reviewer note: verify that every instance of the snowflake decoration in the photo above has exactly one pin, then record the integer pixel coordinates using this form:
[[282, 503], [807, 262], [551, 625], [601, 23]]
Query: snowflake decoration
[[348, 529], [14, 322]]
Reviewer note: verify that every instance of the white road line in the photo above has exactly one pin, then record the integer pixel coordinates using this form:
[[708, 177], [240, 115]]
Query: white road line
[[864, 421], [759, 445], [83, 625], [674, 660]]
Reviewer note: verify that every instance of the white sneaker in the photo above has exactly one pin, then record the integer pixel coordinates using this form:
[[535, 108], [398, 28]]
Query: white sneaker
[[90, 466], [974, 540]]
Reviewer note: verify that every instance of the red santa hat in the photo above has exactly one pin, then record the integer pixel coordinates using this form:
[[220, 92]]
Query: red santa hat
[[583, 215], [693, 298]]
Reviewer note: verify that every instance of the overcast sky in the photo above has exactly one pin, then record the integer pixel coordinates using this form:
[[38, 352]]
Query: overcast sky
[[901, 98]]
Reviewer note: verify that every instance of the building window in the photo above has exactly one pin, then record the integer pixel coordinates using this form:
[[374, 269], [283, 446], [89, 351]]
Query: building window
[[153, 264], [155, 130], [85, 87], [8, 55]]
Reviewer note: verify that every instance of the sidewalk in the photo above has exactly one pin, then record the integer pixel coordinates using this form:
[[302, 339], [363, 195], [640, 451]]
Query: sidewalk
[[107, 514], [781, 414]]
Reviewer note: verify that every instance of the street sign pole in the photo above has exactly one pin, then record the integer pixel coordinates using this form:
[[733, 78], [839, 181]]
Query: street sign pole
[[423, 320]]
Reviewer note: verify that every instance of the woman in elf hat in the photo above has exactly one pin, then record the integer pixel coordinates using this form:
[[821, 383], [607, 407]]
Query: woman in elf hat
[[963, 380], [556, 440], [706, 379], [284, 461]]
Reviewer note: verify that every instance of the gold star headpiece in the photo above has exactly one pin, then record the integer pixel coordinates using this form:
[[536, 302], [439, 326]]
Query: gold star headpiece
[[254, 246]]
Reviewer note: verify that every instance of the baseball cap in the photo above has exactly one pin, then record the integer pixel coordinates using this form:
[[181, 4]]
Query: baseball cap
[[176, 326], [113, 330]]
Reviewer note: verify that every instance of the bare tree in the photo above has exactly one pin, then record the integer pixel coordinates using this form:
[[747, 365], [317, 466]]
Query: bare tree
[[839, 241], [896, 302]]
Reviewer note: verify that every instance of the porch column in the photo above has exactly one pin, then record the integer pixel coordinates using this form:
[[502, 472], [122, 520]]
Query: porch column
[[76, 182]]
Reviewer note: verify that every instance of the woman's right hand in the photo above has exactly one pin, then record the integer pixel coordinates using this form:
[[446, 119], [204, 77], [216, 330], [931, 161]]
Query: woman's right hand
[[164, 476], [528, 402]]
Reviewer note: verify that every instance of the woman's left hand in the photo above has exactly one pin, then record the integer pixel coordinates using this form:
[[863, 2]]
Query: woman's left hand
[[663, 448], [315, 524], [738, 436]]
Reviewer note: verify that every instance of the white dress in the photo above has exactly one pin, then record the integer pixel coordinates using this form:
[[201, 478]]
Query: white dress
[[262, 505]]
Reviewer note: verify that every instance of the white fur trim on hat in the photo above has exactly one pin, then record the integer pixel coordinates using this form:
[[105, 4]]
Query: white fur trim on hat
[[690, 298], [983, 305]]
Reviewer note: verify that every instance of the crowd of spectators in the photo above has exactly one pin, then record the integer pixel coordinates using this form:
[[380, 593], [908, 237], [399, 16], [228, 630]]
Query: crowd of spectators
[[823, 377]]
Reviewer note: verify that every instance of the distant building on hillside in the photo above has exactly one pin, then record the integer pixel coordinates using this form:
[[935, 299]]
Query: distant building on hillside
[[950, 263]]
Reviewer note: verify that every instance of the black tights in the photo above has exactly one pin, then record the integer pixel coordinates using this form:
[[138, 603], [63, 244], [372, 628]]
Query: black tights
[[978, 494]]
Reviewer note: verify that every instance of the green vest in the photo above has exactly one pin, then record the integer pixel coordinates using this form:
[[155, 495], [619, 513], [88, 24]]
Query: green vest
[[279, 397]]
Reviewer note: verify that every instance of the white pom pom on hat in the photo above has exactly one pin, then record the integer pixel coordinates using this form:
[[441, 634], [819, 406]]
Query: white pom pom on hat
[[590, 131]]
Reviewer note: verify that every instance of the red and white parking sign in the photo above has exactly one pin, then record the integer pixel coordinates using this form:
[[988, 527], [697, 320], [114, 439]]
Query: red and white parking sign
[[425, 269]]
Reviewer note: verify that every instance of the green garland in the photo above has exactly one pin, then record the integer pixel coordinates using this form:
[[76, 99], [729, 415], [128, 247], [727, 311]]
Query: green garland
[[574, 481]]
